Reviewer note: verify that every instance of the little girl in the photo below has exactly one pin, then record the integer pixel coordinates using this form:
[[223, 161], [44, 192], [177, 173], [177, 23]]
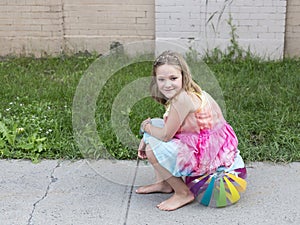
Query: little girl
[[192, 139]]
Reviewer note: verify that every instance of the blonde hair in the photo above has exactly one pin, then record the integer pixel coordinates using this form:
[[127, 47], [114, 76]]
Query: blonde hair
[[174, 59]]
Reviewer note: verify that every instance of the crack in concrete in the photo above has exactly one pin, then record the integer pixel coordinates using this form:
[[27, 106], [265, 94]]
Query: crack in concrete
[[53, 180], [130, 193]]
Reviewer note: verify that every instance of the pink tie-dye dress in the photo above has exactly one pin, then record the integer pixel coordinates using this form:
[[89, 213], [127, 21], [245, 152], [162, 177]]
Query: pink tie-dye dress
[[204, 142]]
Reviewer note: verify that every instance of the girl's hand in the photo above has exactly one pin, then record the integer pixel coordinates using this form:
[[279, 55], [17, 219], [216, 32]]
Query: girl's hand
[[142, 150], [144, 124]]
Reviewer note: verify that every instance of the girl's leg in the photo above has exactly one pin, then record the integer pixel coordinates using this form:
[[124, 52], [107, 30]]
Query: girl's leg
[[182, 194], [160, 185]]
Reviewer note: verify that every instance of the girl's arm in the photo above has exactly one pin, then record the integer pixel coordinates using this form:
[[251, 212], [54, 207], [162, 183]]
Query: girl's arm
[[142, 150], [180, 107]]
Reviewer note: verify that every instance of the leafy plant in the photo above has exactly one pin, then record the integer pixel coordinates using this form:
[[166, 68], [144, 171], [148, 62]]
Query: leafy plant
[[19, 142]]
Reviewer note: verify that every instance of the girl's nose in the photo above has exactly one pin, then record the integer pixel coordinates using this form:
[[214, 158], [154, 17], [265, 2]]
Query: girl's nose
[[168, 83]]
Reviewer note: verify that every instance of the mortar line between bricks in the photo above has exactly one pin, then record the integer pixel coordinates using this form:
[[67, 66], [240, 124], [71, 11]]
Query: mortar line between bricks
[[131, 190], [53, 179]]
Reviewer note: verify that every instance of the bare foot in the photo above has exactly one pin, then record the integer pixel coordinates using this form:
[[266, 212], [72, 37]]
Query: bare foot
[[176, 201], [161, 187]]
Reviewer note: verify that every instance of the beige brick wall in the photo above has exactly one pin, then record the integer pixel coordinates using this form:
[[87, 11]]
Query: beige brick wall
[[30, 27], [42, 27], [292, 38], [95, 24], [48, 27]]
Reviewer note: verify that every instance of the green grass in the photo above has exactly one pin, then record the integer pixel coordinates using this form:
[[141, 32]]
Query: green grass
[[36, 96], [262, 105], [262, 100], [141, 110]]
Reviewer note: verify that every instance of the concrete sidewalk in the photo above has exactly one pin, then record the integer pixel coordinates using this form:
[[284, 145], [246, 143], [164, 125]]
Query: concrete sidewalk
[[103, 193]]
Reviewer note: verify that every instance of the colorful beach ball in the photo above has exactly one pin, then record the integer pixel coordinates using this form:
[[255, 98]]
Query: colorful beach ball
[[218, 189]]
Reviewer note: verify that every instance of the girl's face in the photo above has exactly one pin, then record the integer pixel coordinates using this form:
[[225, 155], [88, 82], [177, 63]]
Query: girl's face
[[169, 80]]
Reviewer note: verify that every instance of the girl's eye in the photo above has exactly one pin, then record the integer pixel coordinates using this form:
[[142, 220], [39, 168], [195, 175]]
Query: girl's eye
[[160, 80], [174, 78]]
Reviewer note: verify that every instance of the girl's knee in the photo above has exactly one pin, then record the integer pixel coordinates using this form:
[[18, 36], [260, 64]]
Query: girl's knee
[[157, 122]]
